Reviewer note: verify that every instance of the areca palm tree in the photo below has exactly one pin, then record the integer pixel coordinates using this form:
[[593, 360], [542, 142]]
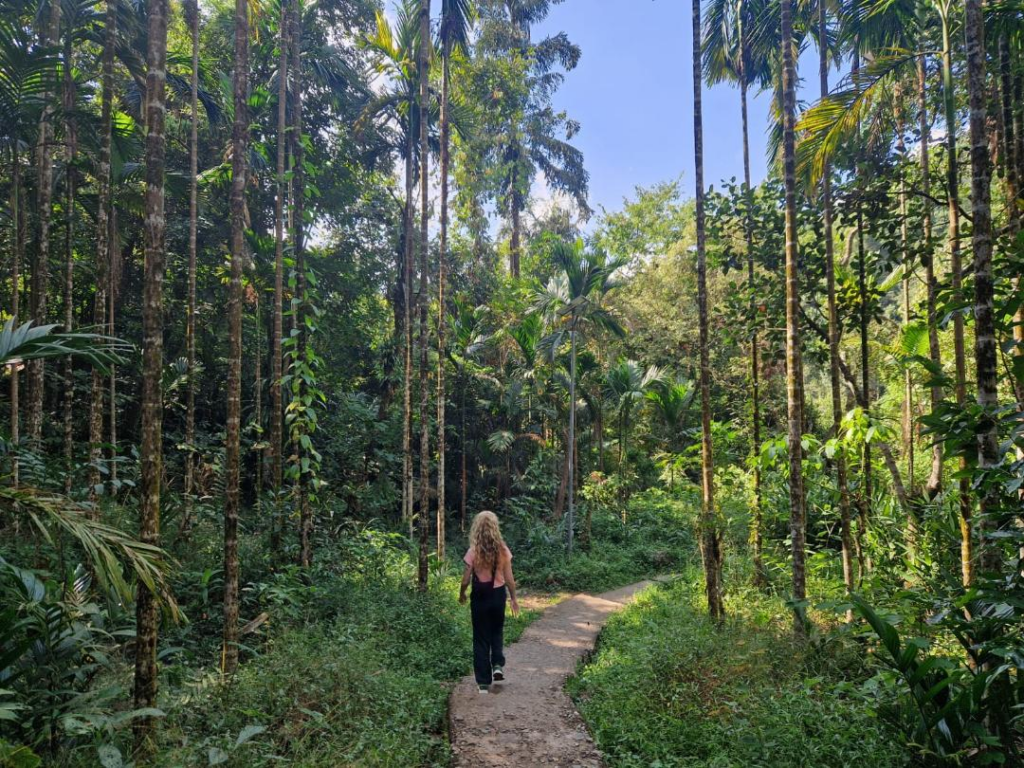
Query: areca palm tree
[[232, 500], [191, 12], [626, 384], [533, 137], [395, 50], [423, 295], [989, 451], [729, 55], [26, 74], [466, 340], [834, 332], [151, 452], [103, 249], [453, 39], [572, 304], [794, 362], [49, 38], [710, 537]]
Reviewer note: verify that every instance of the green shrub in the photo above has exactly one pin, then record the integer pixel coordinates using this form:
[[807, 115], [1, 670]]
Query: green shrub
[[656, 538], [668, 688]]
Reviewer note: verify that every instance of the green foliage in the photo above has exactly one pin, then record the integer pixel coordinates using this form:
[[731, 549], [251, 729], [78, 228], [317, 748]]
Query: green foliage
[[56, 643], [357, 674], [656, 538], [952, 704], [668, 688]]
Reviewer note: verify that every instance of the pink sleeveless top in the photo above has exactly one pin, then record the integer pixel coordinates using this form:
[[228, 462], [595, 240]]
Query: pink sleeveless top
[[499, 574]]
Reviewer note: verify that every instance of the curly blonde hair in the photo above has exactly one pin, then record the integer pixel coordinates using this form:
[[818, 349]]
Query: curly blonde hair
[[485, 540]]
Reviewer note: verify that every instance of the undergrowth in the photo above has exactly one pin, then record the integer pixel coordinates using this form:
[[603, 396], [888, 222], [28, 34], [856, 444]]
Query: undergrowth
[[652, 538], [668, 688], [354, 669]]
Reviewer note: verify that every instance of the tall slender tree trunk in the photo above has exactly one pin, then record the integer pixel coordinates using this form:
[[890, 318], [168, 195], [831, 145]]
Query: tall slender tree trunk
[[1018, 117], [909, 394], [834, 332], [147, 617], [462, 459], [956, 269], [570, 448], [934, 484], [71, 156], [233, 432], [864, 507], [867, 489], [1012, 179], [710, 536], [757, 532], [989, 454], [442, 259], [423, 295], [113, 273], [407, 282], [298, 197], [18, 225], [191, 8], [794, 362], [44, 211], [515, 246], [276, 345]]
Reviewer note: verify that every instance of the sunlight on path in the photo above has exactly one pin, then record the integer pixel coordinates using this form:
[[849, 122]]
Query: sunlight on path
[[529, 720]]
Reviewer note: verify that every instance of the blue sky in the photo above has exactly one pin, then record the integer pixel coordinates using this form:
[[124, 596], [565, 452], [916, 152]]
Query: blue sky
[[633, 94]]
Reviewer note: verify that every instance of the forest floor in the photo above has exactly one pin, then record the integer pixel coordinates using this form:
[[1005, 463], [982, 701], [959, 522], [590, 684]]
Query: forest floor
[[529, 720]]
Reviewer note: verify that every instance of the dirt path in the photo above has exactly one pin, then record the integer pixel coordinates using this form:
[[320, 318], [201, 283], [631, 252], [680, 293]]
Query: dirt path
[[529, 720]]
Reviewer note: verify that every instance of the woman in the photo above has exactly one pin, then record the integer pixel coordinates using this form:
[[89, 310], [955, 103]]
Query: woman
[[489, 569]]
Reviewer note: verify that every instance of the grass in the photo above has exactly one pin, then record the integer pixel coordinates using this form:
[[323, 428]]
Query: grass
[[368, 687], [667, 688]]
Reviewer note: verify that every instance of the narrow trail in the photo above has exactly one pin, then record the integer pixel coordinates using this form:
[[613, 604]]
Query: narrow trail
[[529, 720]]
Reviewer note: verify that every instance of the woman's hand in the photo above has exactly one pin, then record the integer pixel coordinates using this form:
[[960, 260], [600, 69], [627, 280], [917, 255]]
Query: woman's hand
[[515, 607], [462, 598]]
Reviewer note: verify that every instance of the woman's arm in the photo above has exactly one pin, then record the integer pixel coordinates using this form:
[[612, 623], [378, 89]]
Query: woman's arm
[[510, 582], [467, 576]]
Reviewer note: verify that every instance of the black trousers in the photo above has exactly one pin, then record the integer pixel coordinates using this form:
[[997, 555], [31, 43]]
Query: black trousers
[[487, 607]]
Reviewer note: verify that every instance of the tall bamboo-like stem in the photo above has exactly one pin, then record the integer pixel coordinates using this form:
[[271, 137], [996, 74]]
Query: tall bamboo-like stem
[[934, 484], [1011, 165], [956, 270], [442, 259], [710, 536], [276, 346], [463, 470], [517, 225], [192, 17], [113, 286], [794, 361], [71, 156], [407, 275], [834, 332], [757, 532], [909, 394], [298, 213], [18, 224], [423, 295], [864, 507], [570, 448], [103, 255], [232, 447], [44, 212], [985, 350], [147, 616]]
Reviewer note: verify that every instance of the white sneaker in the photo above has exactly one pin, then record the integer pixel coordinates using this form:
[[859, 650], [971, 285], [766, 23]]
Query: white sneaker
[[482, 688]]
